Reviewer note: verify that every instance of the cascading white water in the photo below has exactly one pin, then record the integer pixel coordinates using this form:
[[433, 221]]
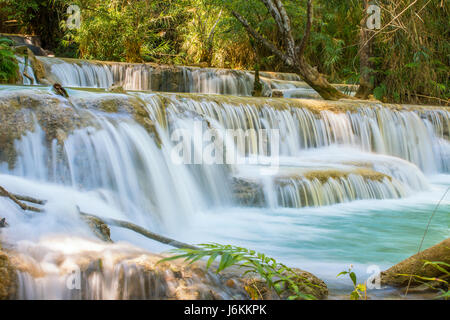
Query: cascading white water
[[110, 165], [25, 68], [121, 160], [88, 74], [379, 129]]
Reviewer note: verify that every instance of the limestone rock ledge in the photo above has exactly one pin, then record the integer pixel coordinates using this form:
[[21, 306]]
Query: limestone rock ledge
[[8, 277], [414, 265], [137, 275]]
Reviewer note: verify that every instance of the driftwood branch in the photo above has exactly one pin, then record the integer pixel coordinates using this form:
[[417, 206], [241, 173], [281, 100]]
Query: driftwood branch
[[142, 231], [18, 200], [112, 222]]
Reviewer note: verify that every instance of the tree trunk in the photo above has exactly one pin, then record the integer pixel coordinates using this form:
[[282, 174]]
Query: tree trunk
[[365, 49], [293, 56], [257, 86], [207, 52], [317, 81]]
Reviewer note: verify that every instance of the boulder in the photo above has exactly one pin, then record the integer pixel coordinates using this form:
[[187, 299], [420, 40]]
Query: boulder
[[8, 278], [398, 275], [277, 94], [99, 228], [307, 283], [247, 192]]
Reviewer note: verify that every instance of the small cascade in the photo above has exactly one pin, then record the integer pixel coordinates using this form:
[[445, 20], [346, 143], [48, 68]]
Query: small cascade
[[329, 176], [112, 155], [151, 77], [27, 72], [298, 193], [219, 81], [419, 136], [79, 73], [63, 268]]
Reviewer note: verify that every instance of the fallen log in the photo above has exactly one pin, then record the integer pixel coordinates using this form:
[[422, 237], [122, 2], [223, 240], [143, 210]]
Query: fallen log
[[118, 223], [140, 230], [101, 221], [16, 200]]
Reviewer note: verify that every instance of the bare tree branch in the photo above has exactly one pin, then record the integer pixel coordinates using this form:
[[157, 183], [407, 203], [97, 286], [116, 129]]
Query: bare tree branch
[[269, 45], [390, 22], [23, 206], [275, 14], [213, 30], [287, 27], [309, 17], [276, 9]]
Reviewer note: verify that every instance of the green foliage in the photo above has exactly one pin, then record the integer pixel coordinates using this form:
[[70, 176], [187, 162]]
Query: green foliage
[[414, 55], [134, 31], [200, 31], [277, 276], [409, 63], [442, 281], [360, 289], [8, 62], [40, 17], [380, 91]]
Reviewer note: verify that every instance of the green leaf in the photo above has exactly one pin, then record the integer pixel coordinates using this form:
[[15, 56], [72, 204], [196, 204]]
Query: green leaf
[[342, 273], [211, 259], [379, 92], [353, 277]]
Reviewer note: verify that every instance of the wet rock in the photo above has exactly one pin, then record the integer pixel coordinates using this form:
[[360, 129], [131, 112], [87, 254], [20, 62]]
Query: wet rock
[[119, 271], [20, 109], [247, 192], [117, 89], [308, 284], [99, 228], [3, 223], [399, 275], [277, 94], [8, 278], [59, 90]]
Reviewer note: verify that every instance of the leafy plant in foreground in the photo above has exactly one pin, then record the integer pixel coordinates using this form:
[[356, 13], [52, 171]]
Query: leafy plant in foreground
[[442, 267], [8, 62], [277, 276], [360, 289]]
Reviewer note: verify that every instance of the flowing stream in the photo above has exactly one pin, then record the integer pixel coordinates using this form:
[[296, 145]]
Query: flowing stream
[[345, 183]]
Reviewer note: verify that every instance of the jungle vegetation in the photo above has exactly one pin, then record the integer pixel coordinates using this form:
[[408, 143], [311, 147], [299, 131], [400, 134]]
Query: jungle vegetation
[[407, 60]]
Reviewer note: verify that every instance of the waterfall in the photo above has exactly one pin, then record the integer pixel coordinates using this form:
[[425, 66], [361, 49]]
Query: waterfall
[[118, 272], [25, 68], [150, 77], [303, 192], [115, 153], [414, 135], [112, 155]]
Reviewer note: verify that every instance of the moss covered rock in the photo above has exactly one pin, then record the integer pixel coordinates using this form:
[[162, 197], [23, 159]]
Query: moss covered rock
[[8, 278], [21, 110], [399, 275]]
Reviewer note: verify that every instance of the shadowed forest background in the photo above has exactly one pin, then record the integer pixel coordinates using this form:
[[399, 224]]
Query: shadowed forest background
[[408, 61]]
